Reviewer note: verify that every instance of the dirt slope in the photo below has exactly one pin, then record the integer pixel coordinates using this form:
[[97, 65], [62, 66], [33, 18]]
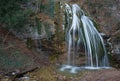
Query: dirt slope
[[14, 53]]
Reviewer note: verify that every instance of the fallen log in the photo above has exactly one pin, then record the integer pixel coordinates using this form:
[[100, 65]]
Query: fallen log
[[17, 74]]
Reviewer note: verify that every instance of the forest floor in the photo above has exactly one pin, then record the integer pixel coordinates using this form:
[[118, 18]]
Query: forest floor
[[49, 74], [18, 63]]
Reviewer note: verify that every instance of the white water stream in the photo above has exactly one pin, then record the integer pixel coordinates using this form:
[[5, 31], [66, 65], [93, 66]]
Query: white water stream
[[81, 30]]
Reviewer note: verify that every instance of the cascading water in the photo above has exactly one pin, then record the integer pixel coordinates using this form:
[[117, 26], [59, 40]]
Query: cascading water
[[81, 30]]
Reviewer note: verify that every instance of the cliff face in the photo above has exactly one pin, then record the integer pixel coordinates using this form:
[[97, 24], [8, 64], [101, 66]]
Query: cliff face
[[105, 12]]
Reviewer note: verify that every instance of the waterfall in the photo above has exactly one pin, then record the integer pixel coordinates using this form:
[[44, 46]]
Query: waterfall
[[81, 31]]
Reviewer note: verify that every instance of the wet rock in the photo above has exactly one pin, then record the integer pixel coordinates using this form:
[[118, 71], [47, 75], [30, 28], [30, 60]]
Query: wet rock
[[26, 78], [116, 51], [105, 36]]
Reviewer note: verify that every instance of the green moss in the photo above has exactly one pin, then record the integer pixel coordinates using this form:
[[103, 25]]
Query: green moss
[[118, 35], [29, 43], [44, 74], [48, 8], [96, 24], [39, 25]]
